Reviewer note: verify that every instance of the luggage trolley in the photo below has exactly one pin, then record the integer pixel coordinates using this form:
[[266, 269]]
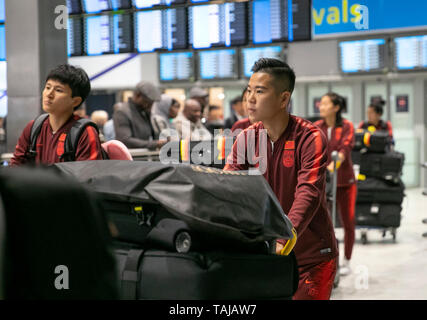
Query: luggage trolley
[[332, 197]]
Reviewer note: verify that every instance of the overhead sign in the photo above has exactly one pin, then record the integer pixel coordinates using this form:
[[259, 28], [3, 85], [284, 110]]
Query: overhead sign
[[335, 17]]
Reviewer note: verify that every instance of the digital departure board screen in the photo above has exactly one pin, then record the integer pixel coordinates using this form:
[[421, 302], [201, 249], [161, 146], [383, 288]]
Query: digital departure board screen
[[410, 52], [250, 55], [2, 11], [279, 20], [217, 25], [96, 6], [161, 29], [217, 64], [75, 36], [2, 43], [176, 66], [74, 6], [108, 34], [121, 4], [142, 4], [362, 55]]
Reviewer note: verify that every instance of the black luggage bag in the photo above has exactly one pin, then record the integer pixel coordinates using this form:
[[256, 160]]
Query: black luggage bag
[[378, 141], [163, 275], [373, 190], [378, 215], [387, 166]]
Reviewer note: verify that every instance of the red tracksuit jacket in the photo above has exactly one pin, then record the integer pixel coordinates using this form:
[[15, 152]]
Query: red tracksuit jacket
[[88, 148], [382, 125], [342, 140], [296, 169]]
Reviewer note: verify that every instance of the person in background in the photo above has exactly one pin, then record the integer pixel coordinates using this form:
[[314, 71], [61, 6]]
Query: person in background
[[164, 111], [188, 124], [202, 96], [245, 122], [294, 164], [66, 88], [374, 122], [81, 111], [109, 133], [215, 122], [340, 133], [100, 117], [132, 122], [238, 111]]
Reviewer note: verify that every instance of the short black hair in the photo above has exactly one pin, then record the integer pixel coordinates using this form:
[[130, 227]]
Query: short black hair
[[280, 70], [235, 100], [214, 107], [76, 78], [378, 106]]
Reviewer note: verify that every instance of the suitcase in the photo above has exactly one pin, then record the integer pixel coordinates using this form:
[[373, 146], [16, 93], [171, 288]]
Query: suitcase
[[373, 190], [387, 166], [162, 275], [378, 215], [378, 141]]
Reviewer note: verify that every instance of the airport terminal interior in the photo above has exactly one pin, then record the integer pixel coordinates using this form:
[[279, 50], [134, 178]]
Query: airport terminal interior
[[372, 54]]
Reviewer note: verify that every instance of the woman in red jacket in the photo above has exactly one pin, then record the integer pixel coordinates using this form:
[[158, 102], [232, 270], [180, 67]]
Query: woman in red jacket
[[340, 133]]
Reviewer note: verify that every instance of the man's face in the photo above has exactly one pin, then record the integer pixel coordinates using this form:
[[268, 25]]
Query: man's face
[[264, 101], [239, 108], [215, 115], [173, 110], [57, 99], [143, 102], [193, 111]]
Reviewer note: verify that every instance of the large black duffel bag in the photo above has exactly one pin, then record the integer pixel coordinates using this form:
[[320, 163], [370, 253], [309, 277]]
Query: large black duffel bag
[[152, 202], [162, 275], [387, 166], [378, 141], [378, 215], [373, 190]]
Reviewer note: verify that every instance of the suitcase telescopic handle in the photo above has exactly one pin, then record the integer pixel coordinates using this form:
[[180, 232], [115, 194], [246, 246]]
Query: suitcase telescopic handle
[[290, 244], [334, 157]]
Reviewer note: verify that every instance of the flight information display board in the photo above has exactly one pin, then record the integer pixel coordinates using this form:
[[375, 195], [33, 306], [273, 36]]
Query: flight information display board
[[217, 64], [279, 20], [160, 29], [142, 4], [108, 34], [121, 4], [74, 6], [74, 36], [176, 66], [217, 25], [2, 43], [250, 55], [410, 52], [363, 55]]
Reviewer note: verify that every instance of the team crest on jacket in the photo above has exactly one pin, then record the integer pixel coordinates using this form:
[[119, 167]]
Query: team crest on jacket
[[288, 154]]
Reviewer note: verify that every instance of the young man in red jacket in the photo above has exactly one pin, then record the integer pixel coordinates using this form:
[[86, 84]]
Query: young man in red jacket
[[66, 88], [291, 154]]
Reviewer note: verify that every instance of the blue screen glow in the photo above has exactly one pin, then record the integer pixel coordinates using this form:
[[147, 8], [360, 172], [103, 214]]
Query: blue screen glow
[[251, 55]]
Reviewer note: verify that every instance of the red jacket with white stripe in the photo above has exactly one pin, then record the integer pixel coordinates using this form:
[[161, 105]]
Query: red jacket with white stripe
[[50, 146], [295, 169], [342, 140]]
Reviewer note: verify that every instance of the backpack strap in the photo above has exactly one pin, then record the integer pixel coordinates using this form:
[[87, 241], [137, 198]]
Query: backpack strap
[[130, 276], [35, 131], [73, 137]]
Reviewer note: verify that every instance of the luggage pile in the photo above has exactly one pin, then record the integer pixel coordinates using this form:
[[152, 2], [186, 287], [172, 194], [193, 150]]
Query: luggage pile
[[191, 232], [380, 190]]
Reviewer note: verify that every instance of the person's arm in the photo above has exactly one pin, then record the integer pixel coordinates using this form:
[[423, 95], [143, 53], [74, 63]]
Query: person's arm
[[360, 125], [124, 133], [236, 160], [344, 150], [310, 189], [89, 146], [22, 146]]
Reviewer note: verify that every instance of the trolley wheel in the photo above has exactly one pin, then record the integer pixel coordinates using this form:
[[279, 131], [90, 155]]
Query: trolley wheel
[[364, 237], [384, 233]]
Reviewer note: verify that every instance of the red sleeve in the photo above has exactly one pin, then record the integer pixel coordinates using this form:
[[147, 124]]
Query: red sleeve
[[89, 147], [236, 160], [310, 188], [21, 148], [347, 143], [361, 125], [389, 129]]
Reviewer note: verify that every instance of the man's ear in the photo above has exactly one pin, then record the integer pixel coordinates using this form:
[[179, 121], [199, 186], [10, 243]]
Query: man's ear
[[285, 98], [77, 101]]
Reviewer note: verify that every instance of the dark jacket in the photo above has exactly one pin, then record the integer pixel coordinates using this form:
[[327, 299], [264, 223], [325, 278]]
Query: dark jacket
[[228, 123], [133, 127], [296, 172]]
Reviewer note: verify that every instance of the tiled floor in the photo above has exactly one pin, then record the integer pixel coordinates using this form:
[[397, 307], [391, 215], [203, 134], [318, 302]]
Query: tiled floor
[[382, 269]]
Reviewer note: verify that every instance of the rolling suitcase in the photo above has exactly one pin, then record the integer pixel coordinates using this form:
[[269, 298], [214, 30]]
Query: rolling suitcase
[[387, 166], [162, 275], [378, 215], [373, 190]]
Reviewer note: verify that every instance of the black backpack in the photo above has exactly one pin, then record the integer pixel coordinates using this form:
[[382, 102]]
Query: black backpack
[[71, 141]]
